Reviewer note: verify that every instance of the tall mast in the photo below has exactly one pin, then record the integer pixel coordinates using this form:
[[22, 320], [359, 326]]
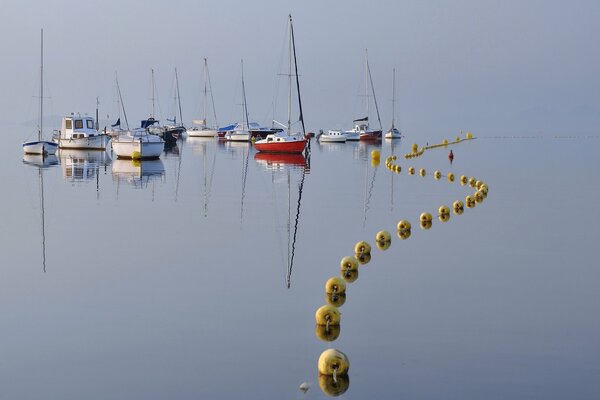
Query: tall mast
[[297, 77], [41, 85], [121, 101], [205, 92], [393, 97], [367, 83], [289, 127], [178, 98], [152, 75], [97, 104], [245, 107]]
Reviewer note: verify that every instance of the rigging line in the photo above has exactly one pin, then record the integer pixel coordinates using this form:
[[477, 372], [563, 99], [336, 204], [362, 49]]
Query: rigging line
[[121, 101], [178, 97], [374, 98], [211, 94]]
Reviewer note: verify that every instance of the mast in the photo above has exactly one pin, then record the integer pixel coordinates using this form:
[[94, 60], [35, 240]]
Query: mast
[[393, 97], [205, 92], [178, 98], [97, 104], [41, 85], [152, 78], [289, 122], [121, 101], [244, 106], [374, 98], [212, 99], [367, 84], [301, 117]]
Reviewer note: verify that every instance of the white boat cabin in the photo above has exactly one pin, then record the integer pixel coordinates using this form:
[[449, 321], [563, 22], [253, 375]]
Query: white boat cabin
[[78, 127]]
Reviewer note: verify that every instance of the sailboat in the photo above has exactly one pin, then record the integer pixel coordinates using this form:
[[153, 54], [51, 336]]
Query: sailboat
[[286, 142], [40, 146], [393, 132], [175, 130], [241, 132], [361, 125], [135, 143], [200, 128]]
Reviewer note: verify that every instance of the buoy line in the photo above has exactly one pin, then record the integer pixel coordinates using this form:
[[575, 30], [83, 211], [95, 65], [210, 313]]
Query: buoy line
[[417, 152], [333, 364]]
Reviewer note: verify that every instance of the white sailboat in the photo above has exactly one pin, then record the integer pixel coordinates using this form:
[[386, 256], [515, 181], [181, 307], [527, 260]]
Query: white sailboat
[[136, 143], [393, 132], [200, 127], [361, 130], [40, 146], [241, 133]]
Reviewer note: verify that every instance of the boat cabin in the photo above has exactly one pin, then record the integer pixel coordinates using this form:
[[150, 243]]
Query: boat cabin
[[77, 127]]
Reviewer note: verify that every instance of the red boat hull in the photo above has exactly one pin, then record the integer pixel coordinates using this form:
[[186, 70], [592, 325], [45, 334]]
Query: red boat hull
[[371, 135], [296, 146]]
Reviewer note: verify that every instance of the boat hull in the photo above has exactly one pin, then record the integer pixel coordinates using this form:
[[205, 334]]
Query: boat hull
[[333, 137], [137, 149], [99, 142], [370, 135], [207, 133], [287, 146], [40, 147], [352, 136], [393, 134]]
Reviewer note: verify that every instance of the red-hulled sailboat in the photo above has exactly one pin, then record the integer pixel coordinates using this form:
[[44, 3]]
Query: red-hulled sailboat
[[287, 142]]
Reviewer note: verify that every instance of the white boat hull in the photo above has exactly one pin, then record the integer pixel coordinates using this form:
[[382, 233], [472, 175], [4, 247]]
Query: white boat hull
[[99, 142], [202, 133], [393, 134], [40, 147], [239, 136], [332, 137], [137, 148], [351, 135]]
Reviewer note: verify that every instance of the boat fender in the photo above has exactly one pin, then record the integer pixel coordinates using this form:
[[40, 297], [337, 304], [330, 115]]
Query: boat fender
[[335, 285], [333, 362], [328, 315], [362, 247], [349, 263]]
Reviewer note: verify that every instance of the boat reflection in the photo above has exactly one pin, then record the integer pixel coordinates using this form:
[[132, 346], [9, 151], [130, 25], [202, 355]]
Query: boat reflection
[[40, 161], [198, 144], [280, 161], [82, 165], [138, 173]]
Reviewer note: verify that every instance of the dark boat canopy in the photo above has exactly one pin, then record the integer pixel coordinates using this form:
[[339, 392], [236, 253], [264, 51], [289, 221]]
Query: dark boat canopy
[[148, 122]]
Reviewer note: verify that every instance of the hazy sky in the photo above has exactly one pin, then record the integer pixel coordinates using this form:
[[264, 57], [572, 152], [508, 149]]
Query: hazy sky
[[493, 67]]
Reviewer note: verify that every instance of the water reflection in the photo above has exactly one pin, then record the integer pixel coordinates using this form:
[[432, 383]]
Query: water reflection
[[282, 165], [41, 162], [82, 165], [138, 173]]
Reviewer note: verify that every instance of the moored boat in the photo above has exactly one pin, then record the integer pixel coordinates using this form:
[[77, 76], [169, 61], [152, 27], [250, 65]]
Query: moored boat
[[79, 132], [286, 142], [138, 144], [332, 136]]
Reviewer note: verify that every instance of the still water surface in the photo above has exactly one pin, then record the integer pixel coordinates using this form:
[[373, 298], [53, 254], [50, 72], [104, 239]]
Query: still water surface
[[198, 275]]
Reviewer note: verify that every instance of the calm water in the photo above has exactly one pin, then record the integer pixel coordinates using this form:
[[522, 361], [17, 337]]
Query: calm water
[[172, 279]]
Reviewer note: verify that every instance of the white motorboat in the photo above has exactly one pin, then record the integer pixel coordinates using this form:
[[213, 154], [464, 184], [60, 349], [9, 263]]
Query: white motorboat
[[332, 136], [40, 146], [393, 132], [82, 165], [79, 132], [200, 127], [138, 144]]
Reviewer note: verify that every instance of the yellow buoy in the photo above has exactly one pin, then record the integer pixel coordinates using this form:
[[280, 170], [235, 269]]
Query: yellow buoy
[[383, 236], [425, 217], [469, 136], [383, 245], [335, 285], [437, 175], [484, 189], [415, 148], [334, 386], [443, 210], [450, 177], [457, 204], [457, 139], [362, 247], [136, 155], [375, 154], [478, 197], [335, 299], [375, 162], [463, 180], [349, 262], [411, 170], [472, 182], [426, 224], [444, 217], [422, 172], [397, 169], [363, 258], [403, 225], [328, 315], [333, 362], [393, 158], [470, 201], [404, 234], [327, 333], [349, 275]]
